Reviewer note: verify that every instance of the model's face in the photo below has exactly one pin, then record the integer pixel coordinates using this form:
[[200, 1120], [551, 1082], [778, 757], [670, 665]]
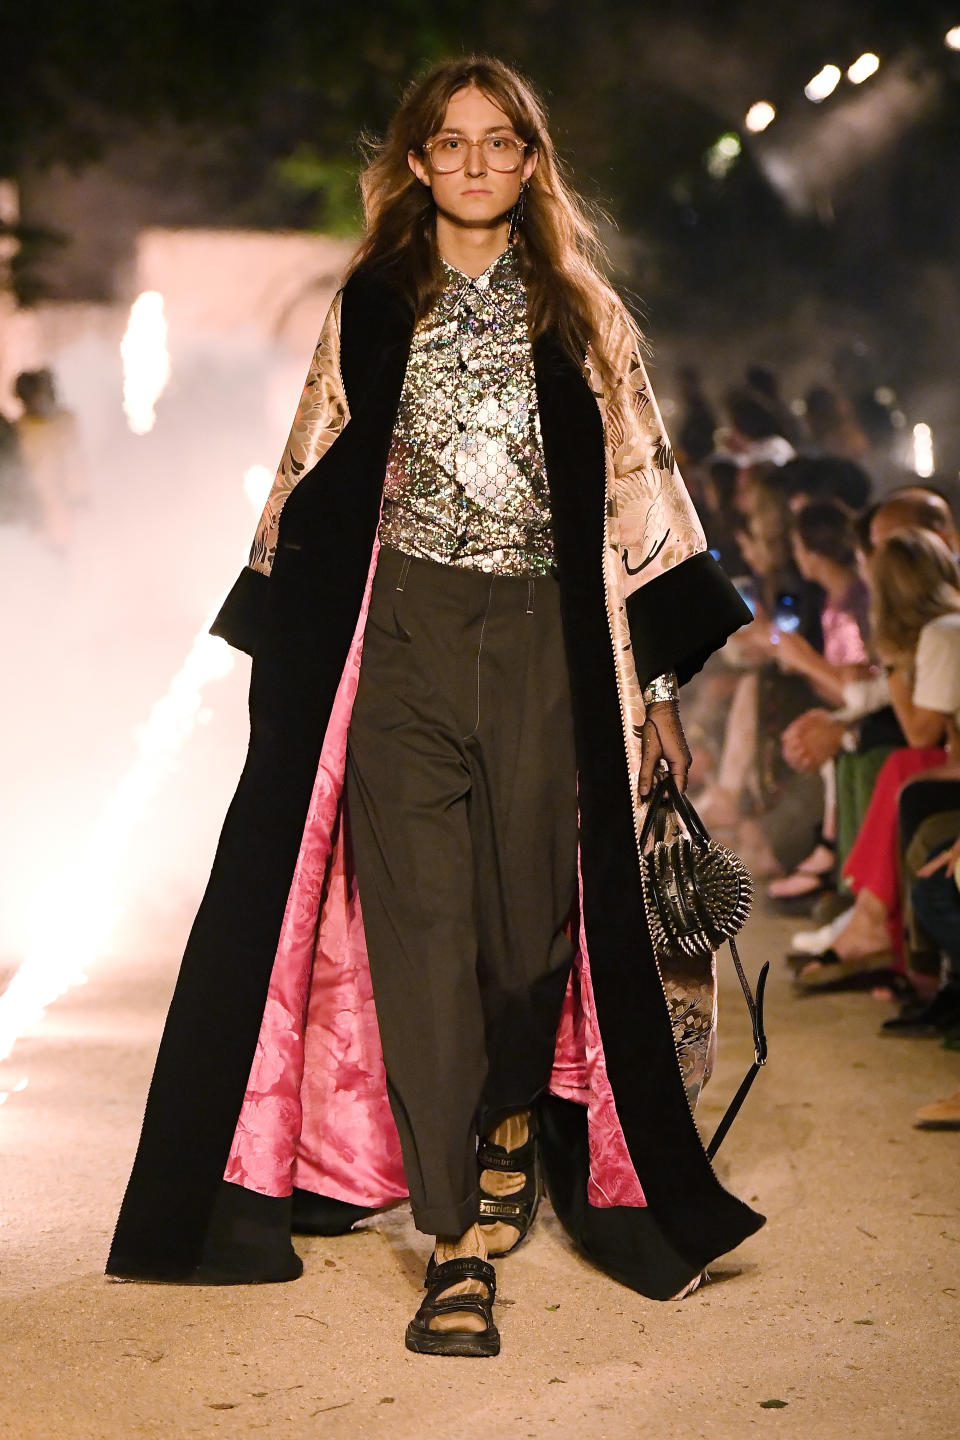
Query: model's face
[[475, 196]]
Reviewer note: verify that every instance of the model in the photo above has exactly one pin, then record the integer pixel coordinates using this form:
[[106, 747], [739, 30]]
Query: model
[[422, 964]]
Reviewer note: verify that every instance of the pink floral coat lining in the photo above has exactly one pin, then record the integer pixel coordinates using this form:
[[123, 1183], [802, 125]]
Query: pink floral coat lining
[[315, 1114]]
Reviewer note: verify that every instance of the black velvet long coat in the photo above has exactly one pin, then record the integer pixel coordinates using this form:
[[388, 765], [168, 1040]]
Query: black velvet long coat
[[621, 519]]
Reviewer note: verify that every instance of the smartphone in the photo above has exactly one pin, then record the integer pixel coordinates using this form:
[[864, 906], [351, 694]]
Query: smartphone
[[786, 612], [746, 588]]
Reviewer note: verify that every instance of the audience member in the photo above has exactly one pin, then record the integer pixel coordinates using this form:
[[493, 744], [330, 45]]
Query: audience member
[[915, 589], [50, 446]]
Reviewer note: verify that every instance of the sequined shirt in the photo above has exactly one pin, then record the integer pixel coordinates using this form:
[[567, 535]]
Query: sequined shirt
[[466, 481]]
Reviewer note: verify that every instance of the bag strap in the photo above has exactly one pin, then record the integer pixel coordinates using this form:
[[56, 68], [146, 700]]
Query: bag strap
[[665, 797], [755, 1006]]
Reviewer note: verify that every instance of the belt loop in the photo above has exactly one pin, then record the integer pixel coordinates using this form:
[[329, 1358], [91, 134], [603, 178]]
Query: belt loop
[[529, 597], [403, 572]]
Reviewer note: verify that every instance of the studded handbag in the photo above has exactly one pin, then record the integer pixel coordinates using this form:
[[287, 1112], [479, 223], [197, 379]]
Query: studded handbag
[[698, 895]]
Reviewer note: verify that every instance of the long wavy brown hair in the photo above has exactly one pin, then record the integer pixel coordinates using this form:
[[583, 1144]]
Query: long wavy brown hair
[[913, 579], [558, 249]]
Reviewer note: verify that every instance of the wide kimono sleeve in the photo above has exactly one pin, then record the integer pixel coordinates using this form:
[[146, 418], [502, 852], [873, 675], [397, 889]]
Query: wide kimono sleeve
[[680, 604], [321, 415]]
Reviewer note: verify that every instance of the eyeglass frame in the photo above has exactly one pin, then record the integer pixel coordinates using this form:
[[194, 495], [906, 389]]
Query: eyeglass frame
[[428, 145]]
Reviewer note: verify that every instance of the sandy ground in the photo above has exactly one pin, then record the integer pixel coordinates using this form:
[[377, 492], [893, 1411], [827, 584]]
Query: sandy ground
[[844, 1308]]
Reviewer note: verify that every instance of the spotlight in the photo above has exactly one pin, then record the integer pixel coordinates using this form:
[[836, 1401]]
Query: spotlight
[[952, 38], [146, 361], [823, 84], [759, 116], [923, 451], [867, 65], [722, 154]]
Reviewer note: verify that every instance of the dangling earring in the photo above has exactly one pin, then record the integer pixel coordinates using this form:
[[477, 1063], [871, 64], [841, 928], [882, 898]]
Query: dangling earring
[[516, 215]]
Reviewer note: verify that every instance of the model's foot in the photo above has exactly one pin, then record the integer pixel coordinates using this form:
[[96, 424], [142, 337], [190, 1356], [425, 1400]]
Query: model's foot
[[471, 1245], [456, 1315], [694, 1284], [510, 1135]]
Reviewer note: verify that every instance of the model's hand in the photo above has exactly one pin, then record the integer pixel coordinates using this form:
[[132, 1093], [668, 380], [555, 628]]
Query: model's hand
[[662, 738]]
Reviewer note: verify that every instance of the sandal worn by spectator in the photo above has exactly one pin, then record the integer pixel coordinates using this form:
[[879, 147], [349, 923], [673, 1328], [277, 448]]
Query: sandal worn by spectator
[[940, 1114], [930, 1019], [812, 878], [831, 975]]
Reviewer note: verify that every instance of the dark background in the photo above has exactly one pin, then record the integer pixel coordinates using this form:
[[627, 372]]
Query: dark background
[[249, 115]]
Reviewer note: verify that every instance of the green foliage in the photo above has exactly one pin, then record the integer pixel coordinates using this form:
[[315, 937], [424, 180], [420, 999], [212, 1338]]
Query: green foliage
[[331, 184]]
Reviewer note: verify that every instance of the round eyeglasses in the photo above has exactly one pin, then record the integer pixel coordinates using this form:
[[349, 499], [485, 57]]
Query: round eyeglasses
[[500, 152]]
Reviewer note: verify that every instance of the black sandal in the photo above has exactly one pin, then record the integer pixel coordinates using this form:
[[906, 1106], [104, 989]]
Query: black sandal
[[438, 1278], [519, 1208]]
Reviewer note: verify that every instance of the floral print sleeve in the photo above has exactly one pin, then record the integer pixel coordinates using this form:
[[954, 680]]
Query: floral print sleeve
[[321, 415], [653, 518]]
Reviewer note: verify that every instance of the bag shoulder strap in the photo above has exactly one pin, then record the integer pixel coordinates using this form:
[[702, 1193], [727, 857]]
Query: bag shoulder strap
[[755, 1006]]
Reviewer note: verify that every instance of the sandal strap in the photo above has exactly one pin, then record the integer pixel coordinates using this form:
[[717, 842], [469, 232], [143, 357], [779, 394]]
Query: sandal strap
[[494, 1157], [505, 1209], [476, 1304], [466, 1267]]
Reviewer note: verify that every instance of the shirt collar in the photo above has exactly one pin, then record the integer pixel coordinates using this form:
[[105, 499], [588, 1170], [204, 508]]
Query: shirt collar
[[500, 282]]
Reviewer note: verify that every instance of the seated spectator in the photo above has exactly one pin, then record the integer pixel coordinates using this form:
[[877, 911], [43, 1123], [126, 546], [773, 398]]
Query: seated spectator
[[915, 589], [50, 446], [753, 434], [824, 548], [749, 772], [824, 479], [719, 515], [936, 903], [825, 552], [14, 495], [697, 420], [864, 731], [762, 384], [832, 425]]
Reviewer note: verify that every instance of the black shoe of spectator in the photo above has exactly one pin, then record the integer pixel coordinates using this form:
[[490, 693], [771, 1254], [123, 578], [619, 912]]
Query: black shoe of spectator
[[933, 1018]]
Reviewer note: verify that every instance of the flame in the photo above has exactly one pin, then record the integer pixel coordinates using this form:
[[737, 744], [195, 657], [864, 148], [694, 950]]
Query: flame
[[146, 361]]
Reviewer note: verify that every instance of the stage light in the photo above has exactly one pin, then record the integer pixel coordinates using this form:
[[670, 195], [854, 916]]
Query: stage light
[[146, 361], [759, 116], [823, 84], [257, 483], [861, 69], [952, 38], [722, 154], [923, 451]]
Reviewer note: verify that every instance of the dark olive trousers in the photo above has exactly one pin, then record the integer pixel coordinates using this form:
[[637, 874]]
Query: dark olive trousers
[[462, 808]]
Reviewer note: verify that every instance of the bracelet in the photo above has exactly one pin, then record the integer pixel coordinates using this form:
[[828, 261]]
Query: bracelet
[[661, 687]]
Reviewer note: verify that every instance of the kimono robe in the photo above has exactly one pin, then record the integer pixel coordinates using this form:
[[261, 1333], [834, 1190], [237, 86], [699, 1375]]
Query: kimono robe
[[269, 1076]]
